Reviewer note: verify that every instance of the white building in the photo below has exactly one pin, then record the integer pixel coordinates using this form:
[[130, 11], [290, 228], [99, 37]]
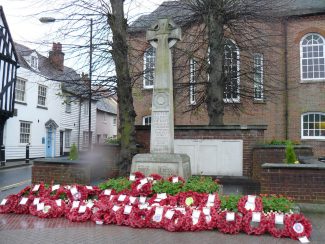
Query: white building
[[49, 111]]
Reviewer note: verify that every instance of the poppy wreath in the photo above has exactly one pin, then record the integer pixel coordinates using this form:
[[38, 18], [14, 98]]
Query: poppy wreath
[[175, 223], [93, 193], [81, 194], [120, 199], [211, 220], [75, 216], [139, 175], [23, 208], [105, 195], [60, 208], [49, 209], [229, 227], [61, 193], [97, 216], [187, 219], [110, 215], [242, 205], [190, 198], [10, 204], [123, 218], [156, 177], [173, 200], [260, 227], [201, 221], [298, 226], [41, 191], [273, 229], [162, 202], [179, 179], [138, 218], [33, 207], [138, 189], [25, 192], [153, 219], [216, 203]]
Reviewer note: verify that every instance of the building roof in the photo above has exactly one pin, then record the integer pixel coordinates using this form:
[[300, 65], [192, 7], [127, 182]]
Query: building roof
[[107, 105], [182, 14]]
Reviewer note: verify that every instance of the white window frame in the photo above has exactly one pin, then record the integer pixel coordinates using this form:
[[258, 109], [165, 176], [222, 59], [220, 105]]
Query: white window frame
[[258, 73], [234, 100], [25, 131], [86, 107], [146, 120], [320, 137], [40, 87], [68, 104], [21, 89], [149, 67], [67, 138], [302, 58], [192, 91], [85, 137], [34, 61]]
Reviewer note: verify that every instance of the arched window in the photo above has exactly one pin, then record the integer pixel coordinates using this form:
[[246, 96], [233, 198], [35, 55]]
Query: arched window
[[149, 67], [312, 57], [231, 92], [313, 126]]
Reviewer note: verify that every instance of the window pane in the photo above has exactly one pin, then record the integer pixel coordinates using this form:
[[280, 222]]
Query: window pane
[[311, 133], [311, 117], [305, 132]]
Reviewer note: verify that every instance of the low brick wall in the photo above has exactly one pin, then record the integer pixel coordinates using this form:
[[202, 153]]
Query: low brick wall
[[274, 154], [251, 136], [48, 170], [304, 183]]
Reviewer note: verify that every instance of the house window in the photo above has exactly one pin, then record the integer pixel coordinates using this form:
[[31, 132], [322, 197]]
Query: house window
[[34, 62], [312, 57], [258, 76], [25, 132], [68, 105], [114, 121], [192, 81], [67, 138], [149, 67], [20, 89], [86, 107], [85, 138], [146, 120], [313, 126], [41, 95]]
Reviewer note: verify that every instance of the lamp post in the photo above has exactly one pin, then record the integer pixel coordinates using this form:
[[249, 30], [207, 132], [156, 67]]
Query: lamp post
[[51, 20]]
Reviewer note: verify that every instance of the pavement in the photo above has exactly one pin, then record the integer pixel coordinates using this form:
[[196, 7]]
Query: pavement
[[30, 229]]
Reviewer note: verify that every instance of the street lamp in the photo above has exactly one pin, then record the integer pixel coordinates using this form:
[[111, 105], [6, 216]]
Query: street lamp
[[51, 20]]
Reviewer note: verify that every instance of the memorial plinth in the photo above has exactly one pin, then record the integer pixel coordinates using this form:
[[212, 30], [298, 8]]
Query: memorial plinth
[[162, 159]]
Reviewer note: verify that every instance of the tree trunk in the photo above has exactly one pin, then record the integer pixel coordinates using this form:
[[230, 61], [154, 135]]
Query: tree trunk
[[127, 114], [215, 87]]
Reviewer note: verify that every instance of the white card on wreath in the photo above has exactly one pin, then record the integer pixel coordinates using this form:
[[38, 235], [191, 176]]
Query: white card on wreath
[[175, 179], [74, 190], [206, 211], [82, 209], [250, 206], [256, 217], [90, 204], [115, 208], [251, 199], [139, 186], [132, 178], [89, 188], [99, 222], [162, 195], [211, 198], [36, 201], [182, 210], [58, 202], [303, 239], [3, 202], [158, 200], [150, 178], [132, 199], [121, 198], [75, 204], [169, 214], [36, 187], [279, 219], [55, 187], [127, 209], [196, 214], [158, 214], [107, 192], [40, 206], [142, 200], [230, 216], [23, 201], [144, 181]]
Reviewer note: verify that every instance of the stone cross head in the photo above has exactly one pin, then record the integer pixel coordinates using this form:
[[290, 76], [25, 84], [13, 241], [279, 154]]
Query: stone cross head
[[162, 28]]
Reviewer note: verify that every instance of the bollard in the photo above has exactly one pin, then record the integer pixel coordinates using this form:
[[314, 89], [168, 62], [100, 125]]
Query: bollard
[[27, 154], [3, 155]]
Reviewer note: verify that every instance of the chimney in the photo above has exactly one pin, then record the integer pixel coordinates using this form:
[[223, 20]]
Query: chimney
[[56, 56]]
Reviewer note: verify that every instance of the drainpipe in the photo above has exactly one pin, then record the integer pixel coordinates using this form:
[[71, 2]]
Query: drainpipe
[[286, 97], [79, 119]]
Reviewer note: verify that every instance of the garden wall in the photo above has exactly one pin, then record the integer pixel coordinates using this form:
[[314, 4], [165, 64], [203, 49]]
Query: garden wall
[[274, 154], [304, 183]]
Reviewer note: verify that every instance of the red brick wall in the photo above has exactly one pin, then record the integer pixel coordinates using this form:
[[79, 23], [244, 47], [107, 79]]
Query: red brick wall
[[304, 185], [250, 138], [273, 154]]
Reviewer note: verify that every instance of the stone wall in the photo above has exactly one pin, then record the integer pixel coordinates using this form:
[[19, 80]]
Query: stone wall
[[251, 136], [274, 154], [304, 183]]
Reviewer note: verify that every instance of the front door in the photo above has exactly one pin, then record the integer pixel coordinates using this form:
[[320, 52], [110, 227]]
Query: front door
[[61, 143], [49, 146]]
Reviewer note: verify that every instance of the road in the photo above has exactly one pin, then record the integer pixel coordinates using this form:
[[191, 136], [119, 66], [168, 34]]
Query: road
[[14, 179]]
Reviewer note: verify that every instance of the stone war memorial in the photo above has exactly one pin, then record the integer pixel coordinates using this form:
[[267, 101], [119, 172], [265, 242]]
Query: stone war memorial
[[162, 160]]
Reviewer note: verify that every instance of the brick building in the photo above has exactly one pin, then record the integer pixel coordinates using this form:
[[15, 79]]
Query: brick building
[[288, 81]]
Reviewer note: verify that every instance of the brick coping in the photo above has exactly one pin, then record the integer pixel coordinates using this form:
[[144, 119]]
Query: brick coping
[[266, 146], [60, 161], [320, 166], [210, 127]]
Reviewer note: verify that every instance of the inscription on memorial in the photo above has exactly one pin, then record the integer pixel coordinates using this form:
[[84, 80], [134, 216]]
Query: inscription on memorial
[[161, 132], [166, 171]]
